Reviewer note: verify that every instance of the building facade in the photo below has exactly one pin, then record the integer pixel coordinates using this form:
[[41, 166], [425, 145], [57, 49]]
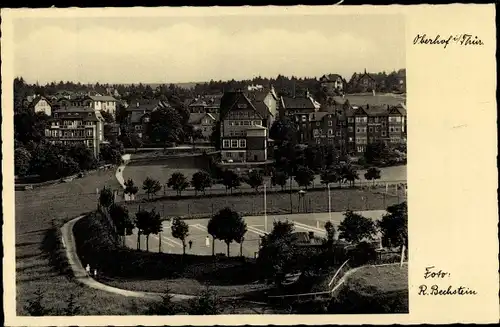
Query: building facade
[[299, 110], [351, 130], [242, 134], [362, 83], [105, 103], [139, 115], [332, 83], [76, 125], [265, 101], [205, 122], [41, 104]]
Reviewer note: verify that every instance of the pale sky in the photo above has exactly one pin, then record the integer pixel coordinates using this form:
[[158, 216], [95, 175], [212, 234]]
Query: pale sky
[[196, 49]]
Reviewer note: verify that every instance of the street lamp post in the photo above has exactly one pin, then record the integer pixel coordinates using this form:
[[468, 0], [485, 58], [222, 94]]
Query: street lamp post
[[302, 194], [329, 203], [265, 208]]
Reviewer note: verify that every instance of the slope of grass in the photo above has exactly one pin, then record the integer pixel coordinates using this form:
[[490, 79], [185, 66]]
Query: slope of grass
[[39, 264], [373, 289], [372, 279]]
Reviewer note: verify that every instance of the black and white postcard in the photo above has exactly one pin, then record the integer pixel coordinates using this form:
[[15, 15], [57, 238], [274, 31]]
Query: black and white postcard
[[257, 165]]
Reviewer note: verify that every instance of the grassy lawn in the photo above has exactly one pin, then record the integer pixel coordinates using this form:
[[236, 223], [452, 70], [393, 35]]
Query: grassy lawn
[[372, 279], [34, 268], [374, 290], [182, 286], [278, 203]]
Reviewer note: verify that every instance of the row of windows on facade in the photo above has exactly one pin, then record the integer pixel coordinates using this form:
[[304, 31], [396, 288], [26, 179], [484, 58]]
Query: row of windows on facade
[[359, 130], [245, 123], [396, 119], [361, 140], [242, 114], [234, 144], [73, 114], [64, 142], [106, 103], [73, 123], [88, 133], [239, 154], [375, 129]]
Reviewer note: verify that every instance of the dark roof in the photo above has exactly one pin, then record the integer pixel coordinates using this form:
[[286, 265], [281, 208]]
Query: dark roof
[[318, 116], [401, 108], [198, 103], [195, 118], [262, 109], [85, 113], [229, 99], [331, 77], [298, 103], [375, 110], [37, 99], [102, 98], [368, 99], [213, 101], [259, 95], [147, 105], [136, 116]]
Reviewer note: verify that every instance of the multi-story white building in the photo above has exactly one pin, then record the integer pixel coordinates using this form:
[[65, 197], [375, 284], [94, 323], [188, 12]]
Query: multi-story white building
[[104, 103], [77, 125]]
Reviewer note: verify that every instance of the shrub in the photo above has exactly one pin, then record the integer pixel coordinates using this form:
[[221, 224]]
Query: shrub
[[35, 306], [362, 254], [54, 250]]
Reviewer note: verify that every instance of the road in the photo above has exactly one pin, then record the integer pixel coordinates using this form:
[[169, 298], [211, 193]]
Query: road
[[256, 227]]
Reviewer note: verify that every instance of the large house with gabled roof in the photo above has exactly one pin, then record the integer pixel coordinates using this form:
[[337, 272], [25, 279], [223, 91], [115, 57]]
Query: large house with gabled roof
[[361, 83], [332, 83], [242, 134], [41, 104], [139, 114], [204, 122]]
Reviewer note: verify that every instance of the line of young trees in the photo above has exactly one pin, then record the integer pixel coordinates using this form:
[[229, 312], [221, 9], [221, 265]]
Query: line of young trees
[[200, 181]]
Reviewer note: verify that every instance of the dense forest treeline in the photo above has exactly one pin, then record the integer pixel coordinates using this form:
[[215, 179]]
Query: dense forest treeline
[[284, 85]]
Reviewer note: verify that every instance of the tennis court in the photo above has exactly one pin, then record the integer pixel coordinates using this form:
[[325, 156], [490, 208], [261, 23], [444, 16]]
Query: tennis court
[[256, 227]]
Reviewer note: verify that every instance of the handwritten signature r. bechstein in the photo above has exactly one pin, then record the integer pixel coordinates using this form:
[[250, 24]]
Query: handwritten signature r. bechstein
[[462, 39], [433, 273]]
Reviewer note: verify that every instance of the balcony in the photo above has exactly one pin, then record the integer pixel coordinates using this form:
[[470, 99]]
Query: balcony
[[72, 127]]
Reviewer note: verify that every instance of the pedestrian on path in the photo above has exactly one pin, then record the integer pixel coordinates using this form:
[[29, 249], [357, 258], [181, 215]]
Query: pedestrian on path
[[207, 242], [87, 269], [190, 244], [95, 273]]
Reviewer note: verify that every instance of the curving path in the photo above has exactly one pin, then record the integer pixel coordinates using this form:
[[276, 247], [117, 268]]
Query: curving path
[[119, 174], [82, 277]]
